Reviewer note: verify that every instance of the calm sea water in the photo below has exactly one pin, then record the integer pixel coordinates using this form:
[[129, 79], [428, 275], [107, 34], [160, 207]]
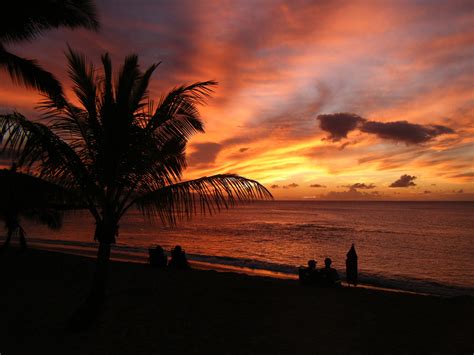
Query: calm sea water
[[423, 246]]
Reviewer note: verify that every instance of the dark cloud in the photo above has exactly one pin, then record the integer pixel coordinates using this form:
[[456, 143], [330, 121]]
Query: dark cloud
[[241, 150], [403, 131], [404, 181], [293, 185], [317, 185], [338, 125], [359, 185], [426, 192], [460, 191], [205, 153], [275, 186]]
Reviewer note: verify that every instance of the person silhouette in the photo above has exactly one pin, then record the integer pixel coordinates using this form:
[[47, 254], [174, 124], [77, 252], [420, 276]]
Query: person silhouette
[[330, 275], [178, 259], [351, 266], [157, 257], [309, 275]]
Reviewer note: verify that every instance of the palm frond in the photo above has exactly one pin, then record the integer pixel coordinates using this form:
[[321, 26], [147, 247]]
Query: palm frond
[[205, 195], [107, 95], [83, 77], [29, 191], [139, 93], [117, 154], [34, 142], [35, 199], [73, 122], [29, 73], [153, 169], [177, 114], [128, 77], [49, 217], [28, 19]]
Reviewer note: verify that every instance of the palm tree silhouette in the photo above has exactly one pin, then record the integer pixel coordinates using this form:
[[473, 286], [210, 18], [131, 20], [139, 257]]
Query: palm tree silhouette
[[25, 196], [118, 151], [25, 21]]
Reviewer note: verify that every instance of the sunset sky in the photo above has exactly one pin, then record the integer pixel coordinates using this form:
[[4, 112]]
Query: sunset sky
[[316, 99]]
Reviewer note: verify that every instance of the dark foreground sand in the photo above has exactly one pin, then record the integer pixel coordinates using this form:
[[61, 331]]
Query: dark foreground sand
[[206, 312]]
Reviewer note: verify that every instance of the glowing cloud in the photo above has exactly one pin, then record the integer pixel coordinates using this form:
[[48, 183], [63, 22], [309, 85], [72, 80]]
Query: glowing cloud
[[310, 91]]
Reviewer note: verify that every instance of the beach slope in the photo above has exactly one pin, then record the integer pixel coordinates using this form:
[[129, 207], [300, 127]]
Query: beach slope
[[208, 312]]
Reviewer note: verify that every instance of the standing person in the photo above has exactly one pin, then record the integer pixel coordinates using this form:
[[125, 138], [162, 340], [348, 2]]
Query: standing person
[[351, 266], [330, 276]]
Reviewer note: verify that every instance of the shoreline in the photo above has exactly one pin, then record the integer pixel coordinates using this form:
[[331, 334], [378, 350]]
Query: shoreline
[[204, 311], [136, 255], [205, 266]]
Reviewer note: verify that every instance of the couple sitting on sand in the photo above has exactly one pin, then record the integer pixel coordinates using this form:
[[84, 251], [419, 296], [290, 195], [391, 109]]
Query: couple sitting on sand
[[178, 258], [325, 277]]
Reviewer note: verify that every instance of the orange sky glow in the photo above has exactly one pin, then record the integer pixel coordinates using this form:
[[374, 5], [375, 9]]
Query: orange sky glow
[[290, 73]]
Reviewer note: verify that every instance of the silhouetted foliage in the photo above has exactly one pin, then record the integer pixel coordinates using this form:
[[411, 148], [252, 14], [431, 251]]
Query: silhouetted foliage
[[27, 20], [118, 151], [29, 197]]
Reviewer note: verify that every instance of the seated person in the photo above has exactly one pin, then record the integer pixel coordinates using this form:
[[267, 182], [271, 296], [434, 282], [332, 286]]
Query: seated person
[[178, 259], [329, 275], [157, 257], [309, 275]]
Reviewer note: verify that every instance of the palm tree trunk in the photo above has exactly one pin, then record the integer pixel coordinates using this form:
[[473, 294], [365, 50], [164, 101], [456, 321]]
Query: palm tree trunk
[[21, 233], [85, 315], [6, 244], [99, 283]]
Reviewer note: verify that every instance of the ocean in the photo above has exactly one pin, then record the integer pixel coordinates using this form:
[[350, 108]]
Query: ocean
[[415, 246]]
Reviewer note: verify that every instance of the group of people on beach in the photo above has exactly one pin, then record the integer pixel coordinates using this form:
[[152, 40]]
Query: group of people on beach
[[177, 260], [325, 277], [328, 276], [310, 275]]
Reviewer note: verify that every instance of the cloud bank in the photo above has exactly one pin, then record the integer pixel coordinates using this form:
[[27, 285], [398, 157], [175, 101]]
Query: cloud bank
[[403, 131], [339, 125]]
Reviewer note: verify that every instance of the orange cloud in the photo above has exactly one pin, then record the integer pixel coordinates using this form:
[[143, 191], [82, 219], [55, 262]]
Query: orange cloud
[[280, 64]]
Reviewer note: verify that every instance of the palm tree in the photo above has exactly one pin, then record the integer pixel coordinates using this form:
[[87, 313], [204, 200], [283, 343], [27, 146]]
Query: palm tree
[[118, 151], [25, 21], [25, 196]]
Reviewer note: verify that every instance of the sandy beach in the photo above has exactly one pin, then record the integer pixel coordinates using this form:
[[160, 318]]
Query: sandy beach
[[164, 311]]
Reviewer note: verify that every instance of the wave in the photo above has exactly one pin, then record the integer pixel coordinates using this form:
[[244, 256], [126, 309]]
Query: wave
[[140, 254]]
